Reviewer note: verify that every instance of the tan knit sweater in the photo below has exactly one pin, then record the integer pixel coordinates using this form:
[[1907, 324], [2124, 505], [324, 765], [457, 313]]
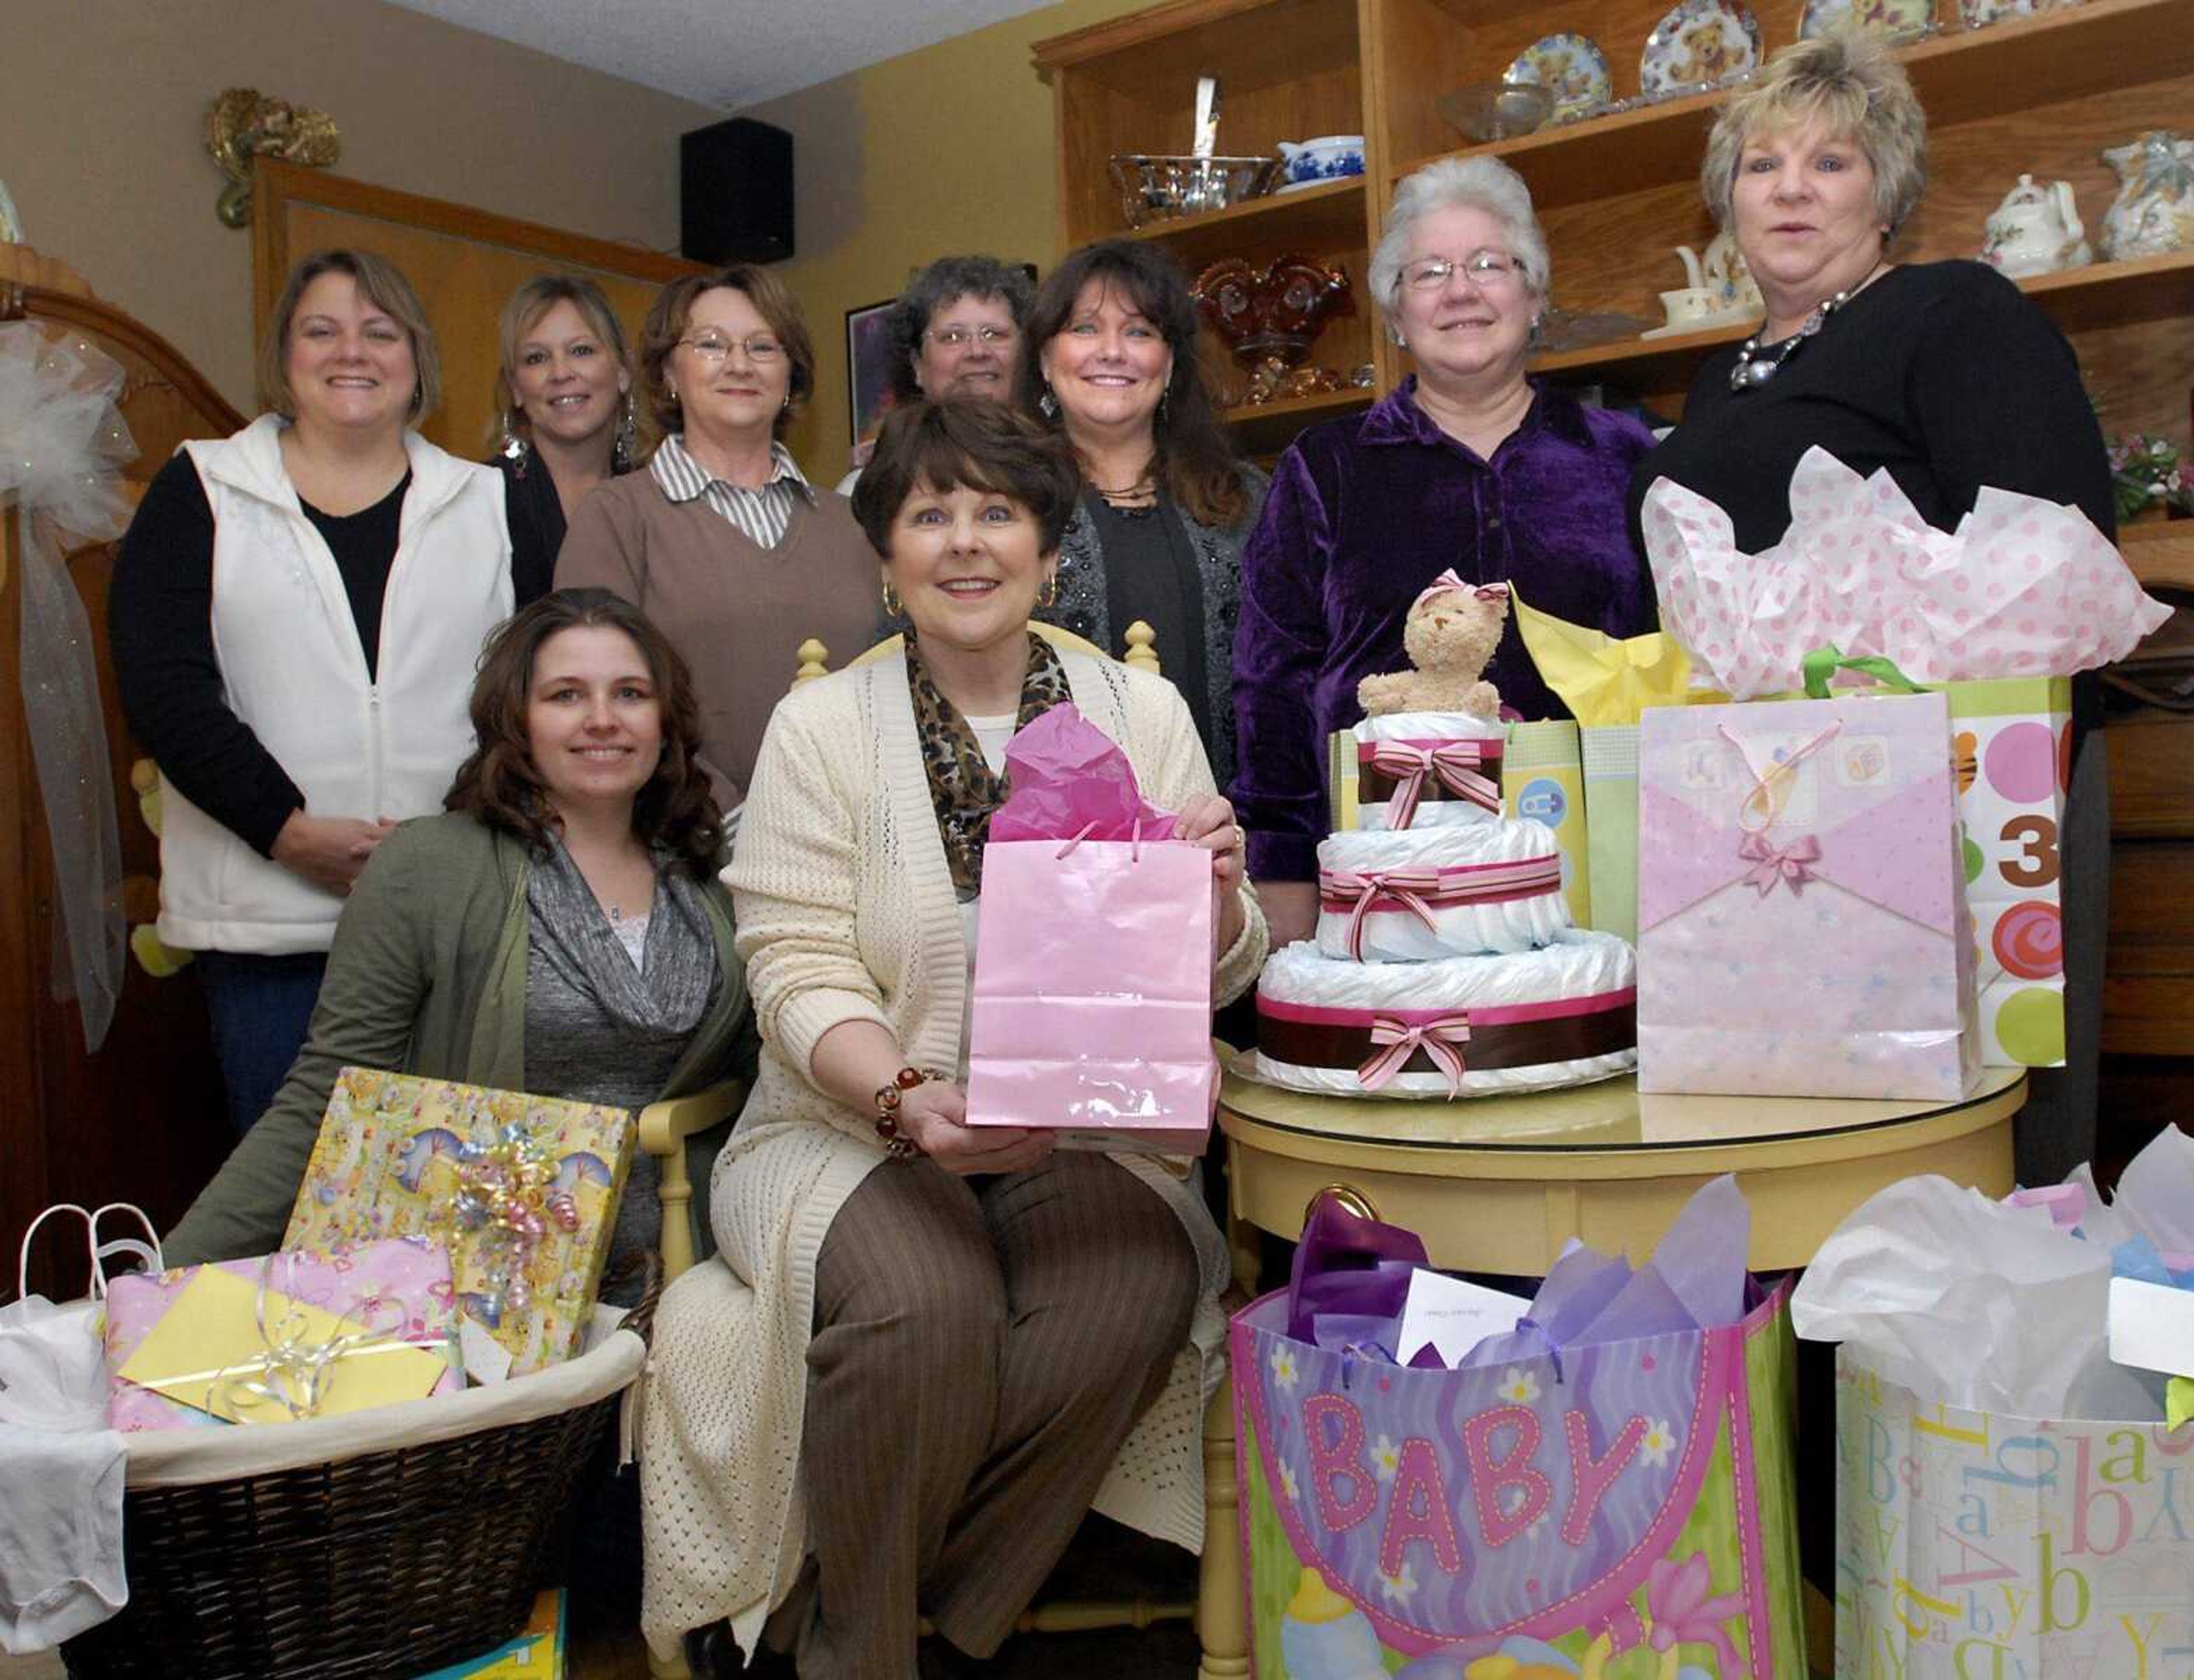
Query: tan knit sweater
[[846, 912]]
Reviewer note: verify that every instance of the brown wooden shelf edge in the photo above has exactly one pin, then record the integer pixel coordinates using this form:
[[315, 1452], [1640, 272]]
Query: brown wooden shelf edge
[[1268, 428]]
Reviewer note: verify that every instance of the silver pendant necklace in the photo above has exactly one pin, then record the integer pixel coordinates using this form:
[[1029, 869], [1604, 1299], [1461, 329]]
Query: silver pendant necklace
[[1753, 370]]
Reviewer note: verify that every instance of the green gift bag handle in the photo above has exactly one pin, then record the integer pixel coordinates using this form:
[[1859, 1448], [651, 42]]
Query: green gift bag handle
[[1824, 662]]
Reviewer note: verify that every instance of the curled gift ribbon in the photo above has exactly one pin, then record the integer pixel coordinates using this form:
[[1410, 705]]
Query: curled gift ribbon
[[1790, 864], [1402, 1039], [506, 1191], [293, 1373], [1454, 764], [1448, 581]]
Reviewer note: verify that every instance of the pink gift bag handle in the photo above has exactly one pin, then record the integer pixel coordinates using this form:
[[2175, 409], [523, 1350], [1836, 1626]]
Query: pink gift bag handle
[[1135, 841], [97, 1252]]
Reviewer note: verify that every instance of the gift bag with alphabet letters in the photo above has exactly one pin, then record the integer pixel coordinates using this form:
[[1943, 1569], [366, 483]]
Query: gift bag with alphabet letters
[[1987, 1546]]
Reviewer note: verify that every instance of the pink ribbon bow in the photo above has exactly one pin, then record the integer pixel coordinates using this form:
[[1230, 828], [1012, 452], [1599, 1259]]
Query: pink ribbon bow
[[1454, 763], [1771, 864], [1448, 580], [1401, 1041], [1677, 1604], [1372, 889]]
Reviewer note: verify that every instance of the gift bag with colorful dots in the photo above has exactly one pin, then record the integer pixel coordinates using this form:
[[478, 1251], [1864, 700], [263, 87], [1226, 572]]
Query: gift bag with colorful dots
[[2011, 744], [1620, 1511]]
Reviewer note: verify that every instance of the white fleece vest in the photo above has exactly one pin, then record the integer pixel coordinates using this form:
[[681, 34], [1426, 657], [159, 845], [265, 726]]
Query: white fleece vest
[[294, 672]]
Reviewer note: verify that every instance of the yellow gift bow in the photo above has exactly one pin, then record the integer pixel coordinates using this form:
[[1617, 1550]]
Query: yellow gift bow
[[2177, 1401], [1601, 680]]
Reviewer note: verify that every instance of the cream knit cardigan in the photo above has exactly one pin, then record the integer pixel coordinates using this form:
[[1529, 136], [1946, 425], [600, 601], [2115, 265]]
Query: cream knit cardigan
[[846, 912]]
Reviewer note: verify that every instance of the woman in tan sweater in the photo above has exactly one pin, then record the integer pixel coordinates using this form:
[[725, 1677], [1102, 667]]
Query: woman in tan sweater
[[721, 540], [925, 1352]]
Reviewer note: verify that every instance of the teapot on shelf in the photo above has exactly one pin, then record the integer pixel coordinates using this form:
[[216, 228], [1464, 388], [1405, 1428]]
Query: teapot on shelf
[[1723, 271], [2035, 230], [2154, 211]]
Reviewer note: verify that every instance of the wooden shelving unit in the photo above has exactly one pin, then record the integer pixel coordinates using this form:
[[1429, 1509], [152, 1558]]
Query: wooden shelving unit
[[2042, 94]]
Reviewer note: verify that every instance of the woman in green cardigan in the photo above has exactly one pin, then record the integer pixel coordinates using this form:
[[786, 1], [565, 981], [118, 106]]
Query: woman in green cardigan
[[558, 929]]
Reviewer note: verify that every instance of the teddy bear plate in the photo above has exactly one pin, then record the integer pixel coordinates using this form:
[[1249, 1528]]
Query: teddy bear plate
[[1571, 67], [1699, 45]]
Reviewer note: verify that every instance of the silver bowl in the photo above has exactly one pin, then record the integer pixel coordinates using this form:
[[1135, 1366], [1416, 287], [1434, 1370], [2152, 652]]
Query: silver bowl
[[1158, 189], [1496, 110]]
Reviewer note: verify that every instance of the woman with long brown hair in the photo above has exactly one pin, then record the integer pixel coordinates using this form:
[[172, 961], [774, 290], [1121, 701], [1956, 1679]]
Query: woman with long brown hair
[[558, 929], [1108, 360]]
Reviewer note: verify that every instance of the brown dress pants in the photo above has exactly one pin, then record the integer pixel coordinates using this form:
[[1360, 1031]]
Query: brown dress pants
[[982, 1349]]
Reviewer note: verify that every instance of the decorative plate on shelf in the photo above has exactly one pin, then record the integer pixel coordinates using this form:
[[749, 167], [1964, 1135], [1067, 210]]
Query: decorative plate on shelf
[[1892, 19], [1980, 13], [1700, 44], [1572, 69]]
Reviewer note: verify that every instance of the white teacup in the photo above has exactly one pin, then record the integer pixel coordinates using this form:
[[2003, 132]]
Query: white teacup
[[1688, 304]]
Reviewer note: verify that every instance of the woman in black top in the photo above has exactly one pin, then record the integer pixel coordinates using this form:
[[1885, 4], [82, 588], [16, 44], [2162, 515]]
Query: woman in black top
[[295, 617], [565, 387], [1942, 373], [1108, 358]]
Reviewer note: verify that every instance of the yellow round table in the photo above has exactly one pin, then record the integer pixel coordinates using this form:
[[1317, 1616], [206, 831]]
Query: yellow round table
[[1500, 1184]]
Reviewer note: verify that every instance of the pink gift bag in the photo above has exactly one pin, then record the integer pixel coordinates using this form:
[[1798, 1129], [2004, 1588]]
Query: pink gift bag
[[1092, 1000], [1802, 928]]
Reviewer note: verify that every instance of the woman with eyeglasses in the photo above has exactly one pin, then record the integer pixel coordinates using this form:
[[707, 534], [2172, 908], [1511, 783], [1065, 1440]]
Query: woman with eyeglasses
[[721, 540], [952, 333], [1468, 465]]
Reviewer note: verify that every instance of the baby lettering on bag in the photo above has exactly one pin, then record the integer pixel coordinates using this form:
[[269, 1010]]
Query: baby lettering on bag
[[1504, 1494]]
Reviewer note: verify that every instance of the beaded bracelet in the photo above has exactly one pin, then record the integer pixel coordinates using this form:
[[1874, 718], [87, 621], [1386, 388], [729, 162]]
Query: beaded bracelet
[[898, 1145]]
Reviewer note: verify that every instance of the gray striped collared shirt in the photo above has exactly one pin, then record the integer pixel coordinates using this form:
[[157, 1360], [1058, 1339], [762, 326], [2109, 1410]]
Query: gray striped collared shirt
[[761, 514]]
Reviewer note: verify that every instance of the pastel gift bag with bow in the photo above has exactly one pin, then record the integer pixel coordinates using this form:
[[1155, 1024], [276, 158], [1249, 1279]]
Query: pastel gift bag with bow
[[1605, 1491], [1802, 928], [1091, 1013]]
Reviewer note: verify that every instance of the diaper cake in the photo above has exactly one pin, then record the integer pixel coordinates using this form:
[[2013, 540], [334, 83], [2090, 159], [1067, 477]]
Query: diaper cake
[[1445, 962]]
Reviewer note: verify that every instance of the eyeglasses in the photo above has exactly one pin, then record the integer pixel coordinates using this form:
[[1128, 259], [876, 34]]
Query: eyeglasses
[[714, 347], [958, 338], [1489, 271]]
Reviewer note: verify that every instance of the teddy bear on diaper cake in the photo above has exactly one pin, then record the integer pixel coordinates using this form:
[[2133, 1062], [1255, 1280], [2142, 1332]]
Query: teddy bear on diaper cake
[[1445, 962]]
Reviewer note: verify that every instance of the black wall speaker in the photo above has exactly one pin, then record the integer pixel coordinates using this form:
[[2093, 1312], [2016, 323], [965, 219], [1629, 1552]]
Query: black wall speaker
[[735, 192]]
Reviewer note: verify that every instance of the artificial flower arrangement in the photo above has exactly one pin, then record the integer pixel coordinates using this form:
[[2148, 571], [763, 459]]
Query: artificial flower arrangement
[[2147, 471]]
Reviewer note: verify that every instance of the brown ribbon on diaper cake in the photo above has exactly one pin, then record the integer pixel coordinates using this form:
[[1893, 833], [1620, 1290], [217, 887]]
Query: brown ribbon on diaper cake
[[1502, 1035]]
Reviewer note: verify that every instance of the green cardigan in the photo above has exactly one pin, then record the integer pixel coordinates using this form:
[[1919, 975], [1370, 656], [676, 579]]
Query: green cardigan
[[427, 976]]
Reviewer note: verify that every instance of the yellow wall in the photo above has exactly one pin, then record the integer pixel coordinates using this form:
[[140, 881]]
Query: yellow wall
[[947, 149], [103, 108]]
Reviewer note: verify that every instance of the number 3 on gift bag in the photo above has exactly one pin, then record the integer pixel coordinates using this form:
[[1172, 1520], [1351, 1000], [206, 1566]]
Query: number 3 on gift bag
[[2036, 865]]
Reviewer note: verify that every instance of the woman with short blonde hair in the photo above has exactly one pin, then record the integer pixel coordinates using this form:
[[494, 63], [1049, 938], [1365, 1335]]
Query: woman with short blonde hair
[[1943, 375]]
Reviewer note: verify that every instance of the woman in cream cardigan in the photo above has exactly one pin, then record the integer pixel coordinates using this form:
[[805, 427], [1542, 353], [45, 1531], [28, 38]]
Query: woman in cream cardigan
[[925, 1352]]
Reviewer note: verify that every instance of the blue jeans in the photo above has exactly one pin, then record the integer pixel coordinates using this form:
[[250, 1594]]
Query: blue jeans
[[260, 1007]]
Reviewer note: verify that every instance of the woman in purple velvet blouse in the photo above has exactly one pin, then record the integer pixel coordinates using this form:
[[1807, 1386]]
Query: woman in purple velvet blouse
[[1467, 464]]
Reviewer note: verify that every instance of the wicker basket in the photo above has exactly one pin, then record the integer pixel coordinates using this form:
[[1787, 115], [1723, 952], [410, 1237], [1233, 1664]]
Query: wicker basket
[[387, 1564]]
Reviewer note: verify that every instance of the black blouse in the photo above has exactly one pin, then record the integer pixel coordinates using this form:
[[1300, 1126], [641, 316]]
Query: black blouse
[[1942, 372]]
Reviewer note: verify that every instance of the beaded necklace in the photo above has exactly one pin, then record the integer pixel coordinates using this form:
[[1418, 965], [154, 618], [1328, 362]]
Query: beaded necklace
[[1753, 369]]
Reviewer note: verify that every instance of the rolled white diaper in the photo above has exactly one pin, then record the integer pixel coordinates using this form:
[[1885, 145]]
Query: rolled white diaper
[[1466, 1026], [1429, 770], [1417, 895]]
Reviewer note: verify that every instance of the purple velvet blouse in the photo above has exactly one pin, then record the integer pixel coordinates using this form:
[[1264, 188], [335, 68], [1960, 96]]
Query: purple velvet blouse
[[1364, 513]]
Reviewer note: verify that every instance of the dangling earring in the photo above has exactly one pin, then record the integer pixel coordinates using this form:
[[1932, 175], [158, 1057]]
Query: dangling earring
[[1048, 402], [1164, 396], [625, 439], [512, 447], [1049, 595], [892, 606]]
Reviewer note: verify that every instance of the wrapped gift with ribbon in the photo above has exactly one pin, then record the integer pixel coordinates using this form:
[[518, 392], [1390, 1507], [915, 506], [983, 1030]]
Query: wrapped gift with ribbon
[[1607, 682], [297, 1334], [523, 1192], [1802, 920]]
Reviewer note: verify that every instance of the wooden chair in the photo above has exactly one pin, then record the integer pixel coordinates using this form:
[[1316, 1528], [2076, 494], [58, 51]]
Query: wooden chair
[[1218, 1610]]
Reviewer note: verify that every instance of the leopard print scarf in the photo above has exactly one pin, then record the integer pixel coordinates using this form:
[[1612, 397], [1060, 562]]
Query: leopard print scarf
[[964, 789]]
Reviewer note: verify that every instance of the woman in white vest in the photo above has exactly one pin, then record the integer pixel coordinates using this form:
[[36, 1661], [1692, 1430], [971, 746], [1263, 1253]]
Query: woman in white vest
[[296, 616]]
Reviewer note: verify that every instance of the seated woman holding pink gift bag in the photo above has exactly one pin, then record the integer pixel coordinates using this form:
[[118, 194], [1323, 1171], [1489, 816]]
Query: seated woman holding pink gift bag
[[922, 1346]]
